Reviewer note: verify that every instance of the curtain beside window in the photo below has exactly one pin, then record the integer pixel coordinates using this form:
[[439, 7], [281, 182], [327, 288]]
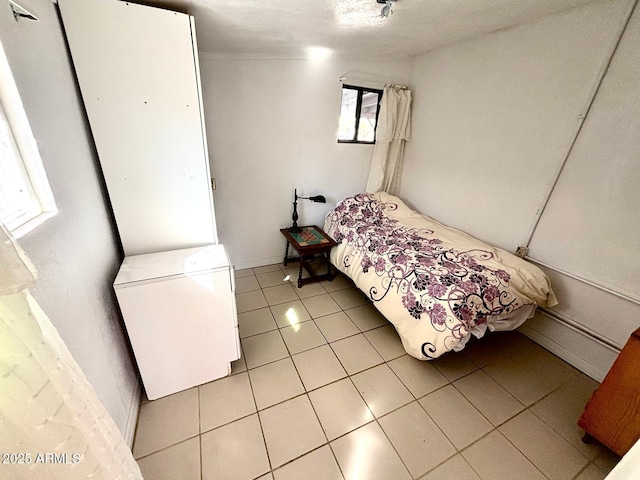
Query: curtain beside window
[[51, 420], [393, 129]]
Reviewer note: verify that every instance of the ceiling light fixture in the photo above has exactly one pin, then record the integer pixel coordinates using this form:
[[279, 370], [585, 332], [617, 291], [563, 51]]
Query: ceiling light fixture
[[319, 53], [387, 8]]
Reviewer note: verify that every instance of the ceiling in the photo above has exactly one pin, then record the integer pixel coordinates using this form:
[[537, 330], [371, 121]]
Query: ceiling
[[349, 28]]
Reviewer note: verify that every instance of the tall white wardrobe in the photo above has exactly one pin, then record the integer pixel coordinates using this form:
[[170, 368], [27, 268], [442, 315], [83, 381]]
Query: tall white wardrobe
[[138, 71], [137, 67]]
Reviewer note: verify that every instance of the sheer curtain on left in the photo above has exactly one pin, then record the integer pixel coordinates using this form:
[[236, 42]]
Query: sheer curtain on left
[[52, 425]]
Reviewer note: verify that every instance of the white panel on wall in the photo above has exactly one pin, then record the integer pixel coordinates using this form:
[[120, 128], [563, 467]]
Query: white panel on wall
[[572, 345], [494, 117], [591, 226], [136, 69], [596, 311]]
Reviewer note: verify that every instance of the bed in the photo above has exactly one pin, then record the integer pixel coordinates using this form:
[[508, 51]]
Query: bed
[[437, 285]]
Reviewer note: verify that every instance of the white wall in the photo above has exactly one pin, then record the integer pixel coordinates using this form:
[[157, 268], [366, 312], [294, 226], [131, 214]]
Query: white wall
[[271, 125], [594, 207], [76, 252], [494, 118]]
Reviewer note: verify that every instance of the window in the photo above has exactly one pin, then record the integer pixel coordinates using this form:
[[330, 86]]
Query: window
[[358, 114], [25, 196]]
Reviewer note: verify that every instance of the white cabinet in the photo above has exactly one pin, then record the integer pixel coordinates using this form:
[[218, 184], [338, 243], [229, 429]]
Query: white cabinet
[[180, 314], [137, 67]]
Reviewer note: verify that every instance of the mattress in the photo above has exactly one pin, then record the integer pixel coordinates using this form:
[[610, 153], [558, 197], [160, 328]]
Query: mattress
[[437, 285]]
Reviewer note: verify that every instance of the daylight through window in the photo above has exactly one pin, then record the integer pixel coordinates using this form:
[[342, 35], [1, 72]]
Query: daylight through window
[[358, 114], [25, 196]]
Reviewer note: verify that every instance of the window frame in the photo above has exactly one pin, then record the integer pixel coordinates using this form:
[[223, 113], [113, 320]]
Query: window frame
[[361, 91], [23, 167]]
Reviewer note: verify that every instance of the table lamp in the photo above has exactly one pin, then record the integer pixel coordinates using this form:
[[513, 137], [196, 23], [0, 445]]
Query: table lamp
[[316, 198]]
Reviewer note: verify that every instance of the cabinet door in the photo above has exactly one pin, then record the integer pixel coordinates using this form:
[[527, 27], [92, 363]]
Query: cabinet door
[[182, 329], [138, 75]]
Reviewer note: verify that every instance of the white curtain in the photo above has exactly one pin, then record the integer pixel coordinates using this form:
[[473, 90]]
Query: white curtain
[[52, 425], [393, 129]]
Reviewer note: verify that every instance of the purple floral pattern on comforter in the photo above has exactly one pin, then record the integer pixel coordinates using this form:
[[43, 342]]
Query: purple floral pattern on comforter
[[452, 289]]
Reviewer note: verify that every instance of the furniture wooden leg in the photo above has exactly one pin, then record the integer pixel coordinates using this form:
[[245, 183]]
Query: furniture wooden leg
[[586, 438], [329, 276], [286, 254], [300, 272]]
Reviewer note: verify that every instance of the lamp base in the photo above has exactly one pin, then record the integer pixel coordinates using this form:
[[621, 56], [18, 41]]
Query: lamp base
[[294, 229]]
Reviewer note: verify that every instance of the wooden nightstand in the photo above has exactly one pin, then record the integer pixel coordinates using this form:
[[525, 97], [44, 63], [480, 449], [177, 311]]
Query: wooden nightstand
[[308, 242], [612, 415]]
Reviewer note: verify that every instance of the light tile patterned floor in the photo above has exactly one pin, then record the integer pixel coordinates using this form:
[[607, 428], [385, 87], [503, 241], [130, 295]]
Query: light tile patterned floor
[[325, 391]]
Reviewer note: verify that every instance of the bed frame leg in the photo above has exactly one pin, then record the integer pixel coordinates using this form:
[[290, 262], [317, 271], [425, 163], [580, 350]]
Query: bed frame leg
[[329, 275]]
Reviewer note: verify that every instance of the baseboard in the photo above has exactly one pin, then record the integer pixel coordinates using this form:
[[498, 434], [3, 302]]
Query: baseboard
[[132, 420], [585, 352], [258, 263]]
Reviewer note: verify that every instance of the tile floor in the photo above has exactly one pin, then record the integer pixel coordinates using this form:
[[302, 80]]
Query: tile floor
[[325, 391]]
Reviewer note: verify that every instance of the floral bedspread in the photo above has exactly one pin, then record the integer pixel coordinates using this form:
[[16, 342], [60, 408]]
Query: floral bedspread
[[436, 284]]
